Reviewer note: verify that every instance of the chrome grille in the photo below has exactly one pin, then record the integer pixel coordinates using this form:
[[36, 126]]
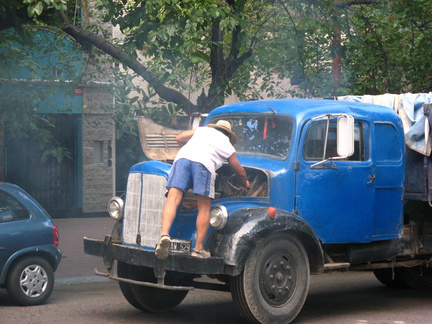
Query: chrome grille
[[143, 211]]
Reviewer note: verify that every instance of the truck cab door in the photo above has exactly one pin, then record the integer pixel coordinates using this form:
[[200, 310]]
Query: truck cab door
[[389, 160], [335, 195]]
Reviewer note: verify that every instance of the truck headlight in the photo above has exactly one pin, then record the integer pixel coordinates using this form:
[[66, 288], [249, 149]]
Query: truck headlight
[[115, 208], [218, 217]]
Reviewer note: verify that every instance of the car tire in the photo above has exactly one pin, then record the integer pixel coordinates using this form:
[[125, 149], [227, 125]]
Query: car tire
[[30, 281]]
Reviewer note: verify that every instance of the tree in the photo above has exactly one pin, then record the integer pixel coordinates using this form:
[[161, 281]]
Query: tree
[[195, 53], [21, 90]]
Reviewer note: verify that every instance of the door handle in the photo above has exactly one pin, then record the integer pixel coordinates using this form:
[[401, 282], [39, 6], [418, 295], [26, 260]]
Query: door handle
[[371, 178]]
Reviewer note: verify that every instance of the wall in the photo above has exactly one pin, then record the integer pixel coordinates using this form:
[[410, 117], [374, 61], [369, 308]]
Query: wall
[[98, 142]]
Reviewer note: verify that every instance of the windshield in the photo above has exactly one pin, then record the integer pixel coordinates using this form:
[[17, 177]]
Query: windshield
[[261, 135]]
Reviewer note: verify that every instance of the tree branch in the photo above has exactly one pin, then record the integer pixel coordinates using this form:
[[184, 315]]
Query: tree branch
[[168, 94], [353, 2]]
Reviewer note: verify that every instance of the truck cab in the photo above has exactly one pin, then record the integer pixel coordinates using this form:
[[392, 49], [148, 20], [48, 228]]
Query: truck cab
[[327, 193]]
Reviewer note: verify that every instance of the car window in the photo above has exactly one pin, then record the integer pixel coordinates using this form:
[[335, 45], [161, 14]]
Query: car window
[[11, 208]]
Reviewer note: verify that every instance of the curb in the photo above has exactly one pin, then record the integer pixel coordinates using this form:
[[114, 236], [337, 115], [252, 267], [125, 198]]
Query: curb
[[79, 280]]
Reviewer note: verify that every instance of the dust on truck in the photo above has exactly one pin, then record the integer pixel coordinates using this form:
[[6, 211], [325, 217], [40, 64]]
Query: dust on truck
[[333, 189]]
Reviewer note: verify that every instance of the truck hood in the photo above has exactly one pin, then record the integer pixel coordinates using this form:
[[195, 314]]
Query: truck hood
[[157, 142]]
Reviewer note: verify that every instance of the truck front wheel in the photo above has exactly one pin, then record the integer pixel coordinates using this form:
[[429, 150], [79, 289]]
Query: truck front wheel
[[146, 298], [274, 283]]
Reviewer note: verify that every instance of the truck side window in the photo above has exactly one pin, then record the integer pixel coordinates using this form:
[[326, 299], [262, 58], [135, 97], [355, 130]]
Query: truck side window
[[11, 209], [387, 145], [315, 142]]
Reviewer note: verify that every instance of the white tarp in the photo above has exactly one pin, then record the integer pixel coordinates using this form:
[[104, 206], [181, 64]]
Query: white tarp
[[415, 120]]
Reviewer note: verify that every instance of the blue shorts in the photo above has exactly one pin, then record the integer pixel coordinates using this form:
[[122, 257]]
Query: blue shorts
[[187, 175]]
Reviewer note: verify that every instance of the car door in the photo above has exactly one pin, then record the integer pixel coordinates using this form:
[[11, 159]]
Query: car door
[[336, 197], [13, 216]]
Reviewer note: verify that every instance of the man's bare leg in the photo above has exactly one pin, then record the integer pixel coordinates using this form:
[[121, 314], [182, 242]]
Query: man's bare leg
[[175, 196], [203, 220], [169, 211]]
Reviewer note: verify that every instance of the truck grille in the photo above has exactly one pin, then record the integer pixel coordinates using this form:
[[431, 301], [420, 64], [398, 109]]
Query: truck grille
[[143, 210]]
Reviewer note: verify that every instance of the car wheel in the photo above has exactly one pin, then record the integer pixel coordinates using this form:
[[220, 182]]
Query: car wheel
[[274, 283], [30, 281]]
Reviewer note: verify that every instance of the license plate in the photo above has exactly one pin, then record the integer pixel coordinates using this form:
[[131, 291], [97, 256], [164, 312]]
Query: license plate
[[180, 246]]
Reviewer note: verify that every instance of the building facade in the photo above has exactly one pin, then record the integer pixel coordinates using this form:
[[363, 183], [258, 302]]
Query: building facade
[[79, 115]]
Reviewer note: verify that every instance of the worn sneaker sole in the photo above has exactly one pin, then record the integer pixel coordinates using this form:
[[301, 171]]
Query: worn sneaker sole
[[162, 248], [201, 254]]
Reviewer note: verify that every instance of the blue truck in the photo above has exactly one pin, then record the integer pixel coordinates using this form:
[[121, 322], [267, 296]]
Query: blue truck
[[333, 188]]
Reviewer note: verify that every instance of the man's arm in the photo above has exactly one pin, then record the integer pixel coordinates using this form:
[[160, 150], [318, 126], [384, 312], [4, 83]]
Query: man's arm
[[184, 137], [239, 171]]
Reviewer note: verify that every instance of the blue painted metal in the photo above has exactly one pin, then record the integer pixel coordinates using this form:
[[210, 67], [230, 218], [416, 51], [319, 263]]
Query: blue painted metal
[[247, 226], [340, 204], [63, 62], [152, 167]]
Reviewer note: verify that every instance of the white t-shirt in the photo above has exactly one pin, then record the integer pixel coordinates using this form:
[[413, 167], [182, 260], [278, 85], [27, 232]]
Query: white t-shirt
[[207, 146]]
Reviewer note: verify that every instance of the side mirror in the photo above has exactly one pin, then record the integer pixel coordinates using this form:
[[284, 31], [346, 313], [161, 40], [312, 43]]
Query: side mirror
[[345, 136]]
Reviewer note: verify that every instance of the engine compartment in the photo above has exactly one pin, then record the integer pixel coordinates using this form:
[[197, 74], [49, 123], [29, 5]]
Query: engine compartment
[[227, 185]]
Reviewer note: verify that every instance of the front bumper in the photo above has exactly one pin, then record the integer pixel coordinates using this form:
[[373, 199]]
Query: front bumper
[[185, 263]]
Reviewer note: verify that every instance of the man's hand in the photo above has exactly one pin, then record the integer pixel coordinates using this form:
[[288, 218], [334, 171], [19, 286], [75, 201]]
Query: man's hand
[[239, 171]]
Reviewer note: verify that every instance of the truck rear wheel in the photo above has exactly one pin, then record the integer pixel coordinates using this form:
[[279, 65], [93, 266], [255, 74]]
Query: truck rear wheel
[[417, 277], [146, 298], [390, 277], [274, 283]]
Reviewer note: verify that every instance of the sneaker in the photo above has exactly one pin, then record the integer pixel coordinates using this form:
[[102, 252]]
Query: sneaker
[[162, 247], [203, 254]]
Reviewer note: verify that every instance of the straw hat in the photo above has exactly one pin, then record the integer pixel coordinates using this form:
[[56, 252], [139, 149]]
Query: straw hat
[[225, 126]]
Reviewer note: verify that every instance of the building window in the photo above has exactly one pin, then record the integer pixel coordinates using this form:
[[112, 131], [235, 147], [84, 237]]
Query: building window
[[98, 152]]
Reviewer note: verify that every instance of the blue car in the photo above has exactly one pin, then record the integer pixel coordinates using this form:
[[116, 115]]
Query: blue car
[[29, 253]]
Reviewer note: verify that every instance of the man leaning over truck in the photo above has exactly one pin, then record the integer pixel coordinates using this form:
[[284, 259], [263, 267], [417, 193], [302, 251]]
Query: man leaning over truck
[[203, 151]]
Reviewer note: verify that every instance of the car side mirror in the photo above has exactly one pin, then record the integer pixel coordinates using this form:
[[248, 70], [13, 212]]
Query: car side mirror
[[345, 136]]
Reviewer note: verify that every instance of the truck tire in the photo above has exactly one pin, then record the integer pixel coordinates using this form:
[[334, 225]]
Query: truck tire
[[274, 283], [390, 277], [417, 277], [30, 281], [146, 298], [123, 272]]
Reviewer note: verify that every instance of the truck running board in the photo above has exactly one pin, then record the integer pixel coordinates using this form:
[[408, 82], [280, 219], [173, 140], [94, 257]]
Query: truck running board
[[329, 267], [141, 283]]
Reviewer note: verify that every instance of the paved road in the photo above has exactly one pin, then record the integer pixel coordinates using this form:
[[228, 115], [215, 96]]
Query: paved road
[[340, 298], [76, 266], [80, 297]]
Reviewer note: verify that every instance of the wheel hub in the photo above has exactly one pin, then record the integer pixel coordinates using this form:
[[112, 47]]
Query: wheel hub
[[33, 281], [277, 280]]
